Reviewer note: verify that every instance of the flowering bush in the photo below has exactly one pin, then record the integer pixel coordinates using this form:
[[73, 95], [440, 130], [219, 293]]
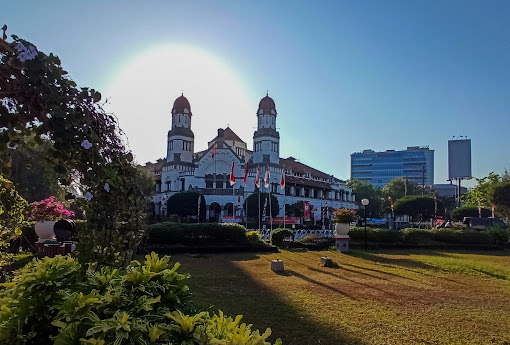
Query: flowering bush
[[48, 209], [343, 215]]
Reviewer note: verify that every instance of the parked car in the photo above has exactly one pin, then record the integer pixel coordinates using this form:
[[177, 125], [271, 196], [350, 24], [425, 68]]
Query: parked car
[[478, 223]]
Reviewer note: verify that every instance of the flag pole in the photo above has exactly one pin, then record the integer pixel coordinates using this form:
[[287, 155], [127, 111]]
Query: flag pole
[[259, 208], [270, 211]]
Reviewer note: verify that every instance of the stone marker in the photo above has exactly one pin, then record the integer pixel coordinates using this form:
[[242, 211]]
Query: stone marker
[[277, 265], [327, 261]]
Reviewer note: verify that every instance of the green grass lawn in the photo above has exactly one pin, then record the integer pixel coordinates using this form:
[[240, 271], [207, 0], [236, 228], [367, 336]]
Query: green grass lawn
[[383, 297]]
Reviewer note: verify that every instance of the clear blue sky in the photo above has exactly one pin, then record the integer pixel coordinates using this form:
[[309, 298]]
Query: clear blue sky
[[345, 75]]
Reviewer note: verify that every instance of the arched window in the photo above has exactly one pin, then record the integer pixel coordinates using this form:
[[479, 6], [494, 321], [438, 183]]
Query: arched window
[[209, 181]]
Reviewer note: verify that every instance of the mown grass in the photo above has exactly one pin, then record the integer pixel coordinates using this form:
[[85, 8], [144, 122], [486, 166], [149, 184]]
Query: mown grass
[[385, 297]]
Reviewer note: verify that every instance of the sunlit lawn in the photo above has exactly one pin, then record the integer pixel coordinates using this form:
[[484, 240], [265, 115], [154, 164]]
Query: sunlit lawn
[[390, 297]]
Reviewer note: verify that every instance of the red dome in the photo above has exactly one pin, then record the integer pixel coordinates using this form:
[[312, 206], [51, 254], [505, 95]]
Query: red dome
[[267, 104], [180, 104]]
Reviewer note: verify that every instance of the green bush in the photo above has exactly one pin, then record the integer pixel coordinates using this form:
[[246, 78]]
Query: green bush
[[459, 213], [375, 235], [500, 236], [197, 233], [417, 236], [460, 236], [254, 237], [277, 236], [58, 301]]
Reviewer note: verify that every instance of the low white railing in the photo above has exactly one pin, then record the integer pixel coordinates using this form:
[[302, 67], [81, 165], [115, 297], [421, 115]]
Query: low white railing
[[299, 234]]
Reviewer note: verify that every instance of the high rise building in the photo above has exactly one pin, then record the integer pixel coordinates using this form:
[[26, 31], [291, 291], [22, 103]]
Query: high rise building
[[378, 168]]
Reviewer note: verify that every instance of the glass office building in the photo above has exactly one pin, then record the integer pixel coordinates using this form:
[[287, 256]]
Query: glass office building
[[379, 168]]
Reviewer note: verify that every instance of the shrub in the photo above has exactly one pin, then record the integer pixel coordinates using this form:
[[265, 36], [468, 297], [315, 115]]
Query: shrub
[[277, 236], [500, 236], [48, 209], [417, 236], [197, 233], [375, 235], [312, 238], [58, 301], [254, 237], [343, 215], [459, 213], [460, 236], [12, 206]]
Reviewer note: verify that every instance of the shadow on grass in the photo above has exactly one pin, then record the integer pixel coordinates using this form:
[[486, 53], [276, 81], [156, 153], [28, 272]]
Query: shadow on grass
[[403, 264], [220, 281], [342, 267], [318, 283]]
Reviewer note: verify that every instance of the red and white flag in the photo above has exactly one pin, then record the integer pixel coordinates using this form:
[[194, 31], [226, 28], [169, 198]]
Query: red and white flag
[[493, 207], [391, 203], [239, 199], [282, 181], [257, 179], [232, 177], [267, 177], [213, 150], [479, 209], [245, 173]]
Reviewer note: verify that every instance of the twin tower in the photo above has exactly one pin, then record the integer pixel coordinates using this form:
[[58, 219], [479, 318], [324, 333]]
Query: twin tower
[[266, 139]]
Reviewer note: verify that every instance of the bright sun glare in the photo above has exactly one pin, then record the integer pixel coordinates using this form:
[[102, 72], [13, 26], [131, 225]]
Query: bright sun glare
[[141, 95]]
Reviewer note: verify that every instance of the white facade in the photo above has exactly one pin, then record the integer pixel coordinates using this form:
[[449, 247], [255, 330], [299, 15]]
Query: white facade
[[184, 170]]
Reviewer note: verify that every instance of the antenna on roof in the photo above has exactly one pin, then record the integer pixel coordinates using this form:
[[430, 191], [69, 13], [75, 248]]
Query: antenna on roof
[[267, 93]]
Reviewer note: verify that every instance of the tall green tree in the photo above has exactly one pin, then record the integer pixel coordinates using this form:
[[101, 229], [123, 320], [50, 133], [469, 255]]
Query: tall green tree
[[33, 174], [400, 187], [480, 192], [253, 205], [365, 190], [185, 204], [295, 210], [499, 195], [418, 207]]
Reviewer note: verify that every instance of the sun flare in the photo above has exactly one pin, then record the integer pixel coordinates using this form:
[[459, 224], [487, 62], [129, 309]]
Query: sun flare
[[141, 95]]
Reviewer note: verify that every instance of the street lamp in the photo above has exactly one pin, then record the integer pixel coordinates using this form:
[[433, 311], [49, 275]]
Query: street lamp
[[365, 203]]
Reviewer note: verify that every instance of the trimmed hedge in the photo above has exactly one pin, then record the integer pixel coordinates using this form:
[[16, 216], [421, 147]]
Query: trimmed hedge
[[197, 234], [425, 236], [277, 236]]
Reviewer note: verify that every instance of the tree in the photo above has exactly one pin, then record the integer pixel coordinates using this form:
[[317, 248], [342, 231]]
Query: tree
[[33, 174], [185, 204], [479, 193], [296, 209], [459, 213], [499, 195], [365, 190], [418, 206], [39, 100], [253, 205], [400, 187]]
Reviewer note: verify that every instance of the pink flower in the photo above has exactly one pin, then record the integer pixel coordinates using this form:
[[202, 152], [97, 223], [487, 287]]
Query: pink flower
[[48, 209]]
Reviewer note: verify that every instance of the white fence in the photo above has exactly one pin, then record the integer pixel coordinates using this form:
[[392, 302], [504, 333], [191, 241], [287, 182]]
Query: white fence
[[299, 234]]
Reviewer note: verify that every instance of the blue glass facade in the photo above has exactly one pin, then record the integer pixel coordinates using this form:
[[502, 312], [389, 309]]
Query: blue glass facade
[[379, 168]]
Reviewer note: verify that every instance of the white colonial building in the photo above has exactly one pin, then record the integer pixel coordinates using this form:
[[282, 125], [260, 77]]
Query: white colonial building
[[187, 170]]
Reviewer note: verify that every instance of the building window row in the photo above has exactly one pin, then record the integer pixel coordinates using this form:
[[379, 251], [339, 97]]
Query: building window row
[[186, 145]]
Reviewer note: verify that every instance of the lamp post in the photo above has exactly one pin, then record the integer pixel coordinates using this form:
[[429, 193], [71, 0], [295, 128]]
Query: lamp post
[[365, 203]]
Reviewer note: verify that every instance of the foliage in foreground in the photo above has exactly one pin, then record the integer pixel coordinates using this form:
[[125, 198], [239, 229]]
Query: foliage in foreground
[[59, 301], [41, 103], [12, 206]]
